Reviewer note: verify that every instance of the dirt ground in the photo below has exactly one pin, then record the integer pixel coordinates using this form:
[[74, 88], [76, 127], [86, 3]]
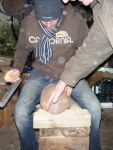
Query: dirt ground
[[9, 136]]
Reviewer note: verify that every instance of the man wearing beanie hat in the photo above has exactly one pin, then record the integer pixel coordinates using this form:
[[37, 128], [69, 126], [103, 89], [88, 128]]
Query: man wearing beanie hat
[[48, 10], [53, 31]]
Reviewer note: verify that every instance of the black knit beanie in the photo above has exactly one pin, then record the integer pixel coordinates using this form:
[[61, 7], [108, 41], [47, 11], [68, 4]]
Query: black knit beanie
[[47, 10]]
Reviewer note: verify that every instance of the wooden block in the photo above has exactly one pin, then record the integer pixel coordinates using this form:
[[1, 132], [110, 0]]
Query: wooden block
[[11, 101], [2, 81], [2, 58], [4, 86], [3, 89], [25, 74], [67, 132], [2, 75], [5, 68], [5, 63], [63, 143], [73, 117], [6, 58], [14, 98], [6, 115], [75, 132]]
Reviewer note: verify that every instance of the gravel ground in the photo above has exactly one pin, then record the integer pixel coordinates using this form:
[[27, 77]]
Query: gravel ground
[[9, 136]]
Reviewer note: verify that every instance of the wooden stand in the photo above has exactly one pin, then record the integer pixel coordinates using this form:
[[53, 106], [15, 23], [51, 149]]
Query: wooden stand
[[68, 130]]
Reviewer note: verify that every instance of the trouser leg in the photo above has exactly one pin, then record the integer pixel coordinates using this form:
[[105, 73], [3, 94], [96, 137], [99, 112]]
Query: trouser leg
[[85, 97], [23, 111]]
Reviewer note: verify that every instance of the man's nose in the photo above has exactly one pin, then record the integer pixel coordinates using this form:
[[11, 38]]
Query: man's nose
[[48, 24]]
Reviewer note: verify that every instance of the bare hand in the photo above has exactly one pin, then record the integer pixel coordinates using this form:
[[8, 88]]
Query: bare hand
[[65, 1], [55, 94], [68, 90], [12, 75]]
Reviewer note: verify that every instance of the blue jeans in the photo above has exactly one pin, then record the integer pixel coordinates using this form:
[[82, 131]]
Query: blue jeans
[[30, 96]]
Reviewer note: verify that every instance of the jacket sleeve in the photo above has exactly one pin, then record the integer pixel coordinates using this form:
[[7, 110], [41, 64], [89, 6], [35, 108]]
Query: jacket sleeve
[[83, 31], [95, 50], [23, 48]]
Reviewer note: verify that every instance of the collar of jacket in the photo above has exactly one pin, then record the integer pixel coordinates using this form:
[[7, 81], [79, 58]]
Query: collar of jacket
[[95, 2]]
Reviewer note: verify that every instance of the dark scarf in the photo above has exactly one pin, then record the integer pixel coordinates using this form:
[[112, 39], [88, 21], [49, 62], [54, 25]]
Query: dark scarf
[[43, 50]]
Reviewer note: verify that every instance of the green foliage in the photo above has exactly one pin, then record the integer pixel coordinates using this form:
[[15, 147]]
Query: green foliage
[[7, 39]]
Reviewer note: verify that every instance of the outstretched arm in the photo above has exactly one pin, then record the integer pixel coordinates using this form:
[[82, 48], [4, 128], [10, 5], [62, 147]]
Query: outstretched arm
[[95, 50], [55, 94], [58, 90]]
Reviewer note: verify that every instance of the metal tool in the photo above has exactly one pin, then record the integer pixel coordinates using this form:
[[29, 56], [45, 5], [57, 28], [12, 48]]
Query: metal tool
[[9, 93]]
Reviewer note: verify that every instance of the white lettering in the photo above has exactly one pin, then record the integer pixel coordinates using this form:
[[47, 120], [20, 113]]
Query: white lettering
[[57, 41], [63, 40], [52, 40], [31, 39], [69, 40], [60, 40]]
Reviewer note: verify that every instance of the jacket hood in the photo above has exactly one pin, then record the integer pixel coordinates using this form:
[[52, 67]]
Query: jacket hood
[[68, 11]]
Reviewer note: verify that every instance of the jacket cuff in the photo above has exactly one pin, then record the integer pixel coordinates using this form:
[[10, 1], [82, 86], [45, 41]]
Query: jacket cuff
[[19, 68], [69, 80]]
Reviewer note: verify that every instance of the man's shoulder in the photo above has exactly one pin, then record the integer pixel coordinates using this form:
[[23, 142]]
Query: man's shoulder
[[78, 15], [73, 14]]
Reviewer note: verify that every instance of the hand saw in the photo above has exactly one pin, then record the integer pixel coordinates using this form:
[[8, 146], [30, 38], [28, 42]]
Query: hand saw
[[9, 93]]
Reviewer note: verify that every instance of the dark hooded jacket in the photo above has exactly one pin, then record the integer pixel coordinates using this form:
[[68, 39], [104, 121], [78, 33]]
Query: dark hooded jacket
[[96, 48], [64, 43]]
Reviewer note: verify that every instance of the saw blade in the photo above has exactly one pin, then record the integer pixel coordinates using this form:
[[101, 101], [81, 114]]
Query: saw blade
[[9, 93]]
